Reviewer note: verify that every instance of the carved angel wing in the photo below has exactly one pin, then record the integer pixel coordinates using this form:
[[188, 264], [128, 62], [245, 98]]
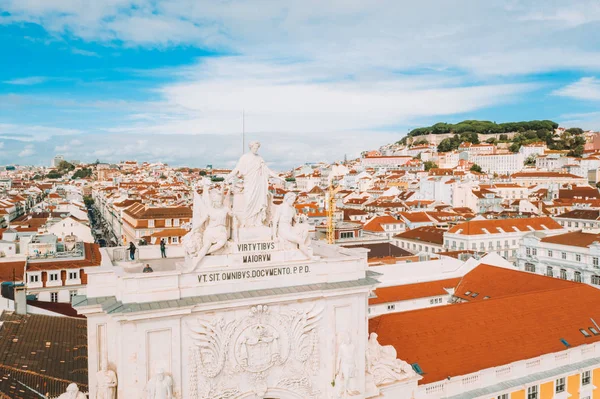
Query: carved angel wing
[[303, 324], [212, 338]]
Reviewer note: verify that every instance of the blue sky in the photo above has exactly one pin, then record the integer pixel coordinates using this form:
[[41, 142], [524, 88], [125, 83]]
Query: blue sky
[[168, 80]]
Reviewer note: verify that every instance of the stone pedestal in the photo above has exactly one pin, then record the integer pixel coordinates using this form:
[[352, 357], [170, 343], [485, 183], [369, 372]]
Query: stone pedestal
[[253, 234]]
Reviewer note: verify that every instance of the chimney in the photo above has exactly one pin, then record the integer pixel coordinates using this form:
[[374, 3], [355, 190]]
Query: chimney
[[20, 300]]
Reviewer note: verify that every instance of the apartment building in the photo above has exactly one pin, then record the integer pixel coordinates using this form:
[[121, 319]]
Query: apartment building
[[141, 221], [501, 164], [576, 219], [501, 236], [573, 256], [57, 276]]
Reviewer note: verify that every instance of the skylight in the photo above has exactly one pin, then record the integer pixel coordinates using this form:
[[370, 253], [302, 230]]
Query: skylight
[[565, 343], [584, 332], [594, 331], [474, 295], [417, 368], [467, 293]]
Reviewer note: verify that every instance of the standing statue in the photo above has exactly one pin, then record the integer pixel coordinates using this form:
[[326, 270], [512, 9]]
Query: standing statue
[[211, 219], [287, 227], [160, 386], [106, 383], [72, 393], [345, 366], [383, 365], [254, 171]]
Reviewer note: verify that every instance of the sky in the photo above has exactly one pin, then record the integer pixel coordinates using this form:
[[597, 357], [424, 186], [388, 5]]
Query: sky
[[169, 80]]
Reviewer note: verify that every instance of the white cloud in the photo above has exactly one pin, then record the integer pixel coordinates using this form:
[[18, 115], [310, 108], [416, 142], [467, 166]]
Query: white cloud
[[587, 88], [27, 151], [29, 81], [306, 99], [85, 53], [32, 132], [388, 35]]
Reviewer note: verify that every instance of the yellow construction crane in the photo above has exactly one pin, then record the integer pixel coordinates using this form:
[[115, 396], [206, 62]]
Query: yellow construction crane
[[330, 212]]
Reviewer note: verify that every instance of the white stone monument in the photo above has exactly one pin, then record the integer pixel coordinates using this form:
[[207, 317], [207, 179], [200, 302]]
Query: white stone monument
[[251, 310]]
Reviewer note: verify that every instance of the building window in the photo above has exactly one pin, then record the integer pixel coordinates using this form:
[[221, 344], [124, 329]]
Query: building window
[[150, 222], [54, 297], [532, 392], [350, 234], [176, 222], [578, 258], [528, 251], [560, 385], [577, 277], [72, 294], [534, 251], [73, 275], [563, 255], [391, 307], [174, 240], [596, 280], [530, 267], [53, 276], [563, 274], [503, 396], [549, 271], [595, 262], [549, 253], [34, 278], [168, 222], [586, 377]]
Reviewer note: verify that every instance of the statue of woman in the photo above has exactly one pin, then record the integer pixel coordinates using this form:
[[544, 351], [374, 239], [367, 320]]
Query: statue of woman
[[286, 226], [254, 171]]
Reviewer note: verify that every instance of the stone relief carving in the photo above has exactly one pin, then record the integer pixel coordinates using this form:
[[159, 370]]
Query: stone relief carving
[[382, 364], [345, 367], [160, 386], [228, 353]]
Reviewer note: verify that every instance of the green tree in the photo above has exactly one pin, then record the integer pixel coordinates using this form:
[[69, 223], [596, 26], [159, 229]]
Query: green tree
[[503, 137], [530, 160], [54, 175], [430, 165], [65, 166], [88, 200], [576, 152], [475, 168], [82, 173], [575, 131]]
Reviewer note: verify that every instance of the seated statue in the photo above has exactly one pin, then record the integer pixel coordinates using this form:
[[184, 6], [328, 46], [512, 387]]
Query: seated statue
[[383, 365], [287, 226], [210, 227]]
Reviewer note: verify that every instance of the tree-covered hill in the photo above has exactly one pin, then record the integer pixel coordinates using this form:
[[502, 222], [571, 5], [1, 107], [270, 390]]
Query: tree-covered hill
[[483, 127]]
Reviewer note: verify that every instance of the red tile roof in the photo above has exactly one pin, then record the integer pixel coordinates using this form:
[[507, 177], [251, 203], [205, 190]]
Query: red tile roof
[[496, 282], [455, 340], [475, 227], [413, 291], [575, 238]]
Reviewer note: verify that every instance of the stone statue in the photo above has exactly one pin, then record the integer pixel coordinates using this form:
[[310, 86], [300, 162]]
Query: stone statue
[[160, 386], [383, 365], [345, 367], [72, 393], [210, 224], [106, 383], [286, 225], [254, 171]]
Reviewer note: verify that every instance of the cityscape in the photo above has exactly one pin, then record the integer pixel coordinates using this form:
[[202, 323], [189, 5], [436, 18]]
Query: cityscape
[[190, 209]]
